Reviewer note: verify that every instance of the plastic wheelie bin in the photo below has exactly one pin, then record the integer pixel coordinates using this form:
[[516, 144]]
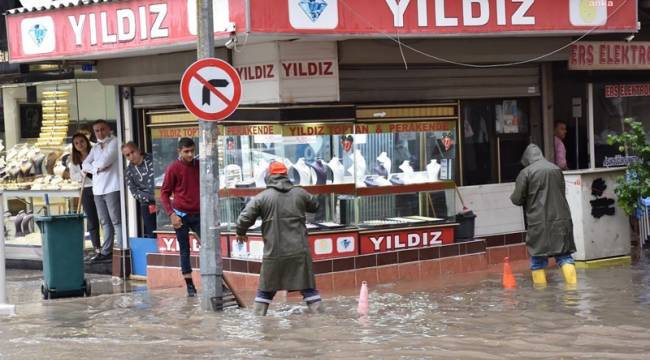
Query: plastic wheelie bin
[[63, 263]]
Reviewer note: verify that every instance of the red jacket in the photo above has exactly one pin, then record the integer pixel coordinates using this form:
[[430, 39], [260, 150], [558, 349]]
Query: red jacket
[[182, 181]]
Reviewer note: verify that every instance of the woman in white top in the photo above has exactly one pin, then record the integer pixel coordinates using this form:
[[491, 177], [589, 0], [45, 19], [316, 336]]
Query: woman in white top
[[80, 149]]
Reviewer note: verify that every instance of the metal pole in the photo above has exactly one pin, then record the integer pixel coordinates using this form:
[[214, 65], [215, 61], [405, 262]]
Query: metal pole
[[211, 263], [5, 309], [590, 118]]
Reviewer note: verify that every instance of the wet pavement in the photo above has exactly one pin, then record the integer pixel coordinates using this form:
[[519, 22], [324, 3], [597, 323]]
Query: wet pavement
[[464, 317]]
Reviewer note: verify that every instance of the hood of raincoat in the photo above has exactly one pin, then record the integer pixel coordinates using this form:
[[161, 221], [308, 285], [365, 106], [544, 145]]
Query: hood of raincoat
[[532, 154], [279, 182]]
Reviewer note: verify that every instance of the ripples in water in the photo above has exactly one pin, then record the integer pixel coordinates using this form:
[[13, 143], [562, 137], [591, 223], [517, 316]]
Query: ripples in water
[[605, 317]]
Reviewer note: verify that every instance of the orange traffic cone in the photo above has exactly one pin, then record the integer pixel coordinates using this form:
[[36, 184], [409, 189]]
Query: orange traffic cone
[[509, 281], [362, 309]]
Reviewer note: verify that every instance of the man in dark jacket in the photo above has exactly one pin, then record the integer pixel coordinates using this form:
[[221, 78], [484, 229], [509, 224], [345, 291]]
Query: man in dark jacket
[[540, 189], [287, 263], [139, 179]]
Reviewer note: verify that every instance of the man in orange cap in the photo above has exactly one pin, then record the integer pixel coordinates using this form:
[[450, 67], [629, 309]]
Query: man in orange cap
[[287, 263]]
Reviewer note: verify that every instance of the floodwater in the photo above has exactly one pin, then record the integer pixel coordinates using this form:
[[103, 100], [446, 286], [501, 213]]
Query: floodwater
[[466, 317]]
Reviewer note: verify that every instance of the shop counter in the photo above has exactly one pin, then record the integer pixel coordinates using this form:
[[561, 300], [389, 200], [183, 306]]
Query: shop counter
[[601, 229]]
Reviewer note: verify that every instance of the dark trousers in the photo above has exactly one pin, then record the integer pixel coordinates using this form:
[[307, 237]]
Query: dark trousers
[[190, 222], [92, 221], [148, 221], [310, 296]]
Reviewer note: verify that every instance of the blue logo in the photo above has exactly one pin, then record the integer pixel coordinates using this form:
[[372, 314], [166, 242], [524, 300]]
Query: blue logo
[[38, 32], [313, 8], [346, 243]]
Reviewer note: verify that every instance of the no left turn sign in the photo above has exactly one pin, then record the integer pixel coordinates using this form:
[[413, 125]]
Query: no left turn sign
[[211, 89]]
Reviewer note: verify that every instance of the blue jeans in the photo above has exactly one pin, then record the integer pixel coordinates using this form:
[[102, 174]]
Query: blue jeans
[[190, 222], [540, 262], [309, 295]]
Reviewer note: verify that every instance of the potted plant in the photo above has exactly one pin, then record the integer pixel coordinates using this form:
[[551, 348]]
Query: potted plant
[[635, 184]]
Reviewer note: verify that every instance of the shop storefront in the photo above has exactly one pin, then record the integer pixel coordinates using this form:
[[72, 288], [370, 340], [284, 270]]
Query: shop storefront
[[610, 85], [417, 127], [39, 119]]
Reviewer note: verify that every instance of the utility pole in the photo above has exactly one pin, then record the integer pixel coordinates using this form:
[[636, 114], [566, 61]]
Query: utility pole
[[211, 263]]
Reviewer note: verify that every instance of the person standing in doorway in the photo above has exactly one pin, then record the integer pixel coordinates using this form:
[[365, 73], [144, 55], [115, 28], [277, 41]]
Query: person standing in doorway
[[182, 182], [102, 164], [560, 150], [540, 190], [139, 179], [81, 147], [287, 262]]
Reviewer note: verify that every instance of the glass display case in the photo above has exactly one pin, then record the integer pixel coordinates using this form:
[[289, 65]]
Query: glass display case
[[405, 172], [312, 157], [397, 171], [366, 173]]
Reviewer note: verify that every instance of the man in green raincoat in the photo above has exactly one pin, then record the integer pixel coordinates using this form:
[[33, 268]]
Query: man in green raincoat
[[540, 189], [287, 263]]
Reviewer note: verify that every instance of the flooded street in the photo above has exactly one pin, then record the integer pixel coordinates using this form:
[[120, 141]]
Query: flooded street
[[606, 317]]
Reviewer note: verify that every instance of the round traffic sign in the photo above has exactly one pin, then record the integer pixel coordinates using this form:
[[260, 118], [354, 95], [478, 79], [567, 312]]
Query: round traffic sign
[[211, 89]]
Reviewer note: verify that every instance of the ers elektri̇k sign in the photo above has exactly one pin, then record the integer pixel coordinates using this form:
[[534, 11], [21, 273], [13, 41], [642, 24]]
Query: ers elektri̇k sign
[[610, 55]]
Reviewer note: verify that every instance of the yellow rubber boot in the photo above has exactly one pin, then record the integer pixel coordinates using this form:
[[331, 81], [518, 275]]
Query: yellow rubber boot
[[539, 278], [569, 272]]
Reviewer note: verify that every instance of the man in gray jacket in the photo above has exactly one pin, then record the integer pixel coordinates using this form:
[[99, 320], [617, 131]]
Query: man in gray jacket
[[287, 263], [540, 189], [139, 179]]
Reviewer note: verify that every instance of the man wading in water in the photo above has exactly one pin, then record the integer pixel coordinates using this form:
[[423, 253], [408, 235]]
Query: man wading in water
[[540, 190], [287, 263]]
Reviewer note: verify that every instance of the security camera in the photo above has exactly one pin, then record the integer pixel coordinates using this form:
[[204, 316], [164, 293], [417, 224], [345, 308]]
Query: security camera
[[629, 37], [231, 43]]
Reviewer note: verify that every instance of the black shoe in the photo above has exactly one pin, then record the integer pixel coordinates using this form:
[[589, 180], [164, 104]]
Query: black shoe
[[100, 257], [191, 290]]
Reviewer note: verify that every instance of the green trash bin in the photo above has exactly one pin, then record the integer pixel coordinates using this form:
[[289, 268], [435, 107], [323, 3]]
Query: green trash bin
[[63, 263]]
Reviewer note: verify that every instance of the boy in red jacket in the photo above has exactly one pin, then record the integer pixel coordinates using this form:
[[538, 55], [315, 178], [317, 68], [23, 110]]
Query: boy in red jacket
[[182, 183]]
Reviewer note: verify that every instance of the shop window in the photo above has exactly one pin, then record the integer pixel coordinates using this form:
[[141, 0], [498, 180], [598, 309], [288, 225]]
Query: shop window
[[495, 135], [613, 103], [31, 117]]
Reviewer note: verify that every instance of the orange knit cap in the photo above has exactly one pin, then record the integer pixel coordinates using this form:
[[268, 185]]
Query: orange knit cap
[[277, 168]]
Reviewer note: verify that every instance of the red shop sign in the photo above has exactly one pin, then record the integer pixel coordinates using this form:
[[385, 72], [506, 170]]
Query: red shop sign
[[433, 17], [388, 240], [135, 26], [142, 26], [167, 244]]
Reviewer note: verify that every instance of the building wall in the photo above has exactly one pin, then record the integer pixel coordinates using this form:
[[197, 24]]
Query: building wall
[[95, 101], [495, 214]]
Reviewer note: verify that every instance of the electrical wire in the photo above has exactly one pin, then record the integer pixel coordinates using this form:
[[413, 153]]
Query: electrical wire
[[458, 63]]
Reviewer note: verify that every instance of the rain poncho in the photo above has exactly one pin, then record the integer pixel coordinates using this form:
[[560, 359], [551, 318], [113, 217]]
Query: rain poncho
[[287, 263], [540, 189]]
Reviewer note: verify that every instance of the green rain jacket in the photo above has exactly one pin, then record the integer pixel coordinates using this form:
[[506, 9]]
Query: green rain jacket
[[540, 190], [287, 263]]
